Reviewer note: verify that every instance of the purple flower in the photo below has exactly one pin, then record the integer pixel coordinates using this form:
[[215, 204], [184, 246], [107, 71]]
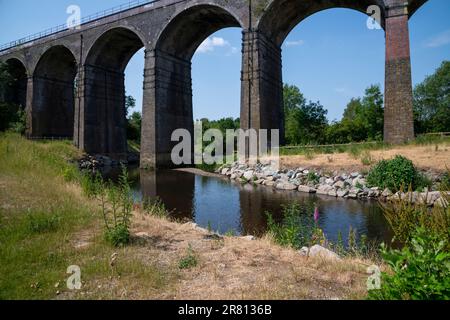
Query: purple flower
[[316, 215]]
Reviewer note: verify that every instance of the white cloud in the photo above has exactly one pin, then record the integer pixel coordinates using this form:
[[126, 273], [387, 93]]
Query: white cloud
[[295, 43], [440, 40], [211, 43]]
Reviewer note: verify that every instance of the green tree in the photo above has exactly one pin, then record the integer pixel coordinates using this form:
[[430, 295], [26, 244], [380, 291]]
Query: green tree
[[305, 122], [432, 101], [12, 115], [363, 119], [373, 112], [134, 127], [130, 103]]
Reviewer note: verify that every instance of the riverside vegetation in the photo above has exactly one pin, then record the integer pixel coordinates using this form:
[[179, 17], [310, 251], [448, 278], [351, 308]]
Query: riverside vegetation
[[47, 223]]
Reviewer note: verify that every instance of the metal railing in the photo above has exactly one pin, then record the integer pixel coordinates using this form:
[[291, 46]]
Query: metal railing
[[63, 27]]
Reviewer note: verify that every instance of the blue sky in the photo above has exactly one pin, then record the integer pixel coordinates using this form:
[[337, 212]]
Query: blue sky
[[331, 56]]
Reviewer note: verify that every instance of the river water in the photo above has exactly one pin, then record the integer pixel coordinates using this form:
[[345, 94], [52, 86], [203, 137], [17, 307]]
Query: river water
[[226, 206]]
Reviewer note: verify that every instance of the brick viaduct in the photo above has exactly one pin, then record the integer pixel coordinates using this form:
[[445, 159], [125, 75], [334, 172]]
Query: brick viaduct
[[72, 82]]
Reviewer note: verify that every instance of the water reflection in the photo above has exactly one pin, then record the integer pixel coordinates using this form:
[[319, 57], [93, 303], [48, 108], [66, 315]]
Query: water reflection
[[229, 206]]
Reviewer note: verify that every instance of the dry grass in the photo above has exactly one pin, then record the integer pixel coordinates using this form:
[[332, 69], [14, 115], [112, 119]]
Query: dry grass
[[424, 157], [232, 268]]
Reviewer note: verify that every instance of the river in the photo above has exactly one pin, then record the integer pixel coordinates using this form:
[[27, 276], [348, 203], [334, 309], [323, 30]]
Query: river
[[227, 206]]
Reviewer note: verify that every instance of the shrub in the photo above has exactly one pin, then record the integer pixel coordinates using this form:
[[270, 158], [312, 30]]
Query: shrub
[[116, 205], [395, 174], [118, 235], [189, 261], [404, 217], [312, 177], [445, 182], [421, 270], [43, 223]]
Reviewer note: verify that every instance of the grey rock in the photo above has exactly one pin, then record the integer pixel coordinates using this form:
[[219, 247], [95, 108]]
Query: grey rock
[[342, 193], [307, 189], [248, 175], [286, 186], [339, 184], [319, 251]]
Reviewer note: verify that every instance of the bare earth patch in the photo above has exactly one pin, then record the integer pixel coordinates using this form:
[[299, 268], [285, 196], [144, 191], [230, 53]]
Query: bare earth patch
[[424, 157]]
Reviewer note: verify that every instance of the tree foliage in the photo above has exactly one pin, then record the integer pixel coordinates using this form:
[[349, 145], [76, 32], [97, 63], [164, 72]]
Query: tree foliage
[[432, 102], [305, 122]]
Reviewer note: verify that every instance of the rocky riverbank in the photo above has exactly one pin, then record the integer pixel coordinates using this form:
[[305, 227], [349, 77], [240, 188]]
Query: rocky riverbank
[[92, 162], [345, 185]]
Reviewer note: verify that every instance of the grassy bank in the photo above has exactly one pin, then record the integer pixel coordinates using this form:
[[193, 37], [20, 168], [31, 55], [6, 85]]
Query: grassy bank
[[47, 224]]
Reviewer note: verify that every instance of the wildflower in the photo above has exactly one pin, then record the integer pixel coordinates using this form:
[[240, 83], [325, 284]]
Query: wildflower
[[316, 215]]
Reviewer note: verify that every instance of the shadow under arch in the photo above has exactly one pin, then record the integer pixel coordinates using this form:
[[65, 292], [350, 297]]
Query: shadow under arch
[[103, 127], [15, 91], [168, 85], [52, 106]]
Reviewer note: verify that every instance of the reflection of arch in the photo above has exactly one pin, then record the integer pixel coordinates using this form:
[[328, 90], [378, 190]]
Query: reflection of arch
[[281, 16], [53, 93], [189, 28], [104, 104], [16, 91]]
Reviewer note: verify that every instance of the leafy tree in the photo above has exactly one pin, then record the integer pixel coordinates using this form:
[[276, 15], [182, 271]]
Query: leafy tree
[[134, 127], [12, 115], [305, 122], [363, 119], [130, 103], [432, 101]]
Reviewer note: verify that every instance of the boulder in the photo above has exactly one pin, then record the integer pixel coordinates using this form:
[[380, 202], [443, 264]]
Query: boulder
[[286, 186], [248, 175], [342, 193], [319, 251], [332, 193], [307, 189], [269, 183], [324, 189], [339, 184]]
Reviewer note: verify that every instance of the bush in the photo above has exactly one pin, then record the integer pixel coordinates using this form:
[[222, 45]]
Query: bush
[[395, 174], [43, 223], [189, 261], [118, 235], [116, 205], [445, 182], [404, 217], [421, 270]]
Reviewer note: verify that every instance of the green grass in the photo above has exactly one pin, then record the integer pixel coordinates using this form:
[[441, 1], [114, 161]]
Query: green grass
[[43, 214]]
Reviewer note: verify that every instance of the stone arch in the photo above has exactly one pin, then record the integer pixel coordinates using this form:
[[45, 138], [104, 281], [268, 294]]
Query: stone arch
[[293, 12], [187, 29], [104, 116], [16, 91], [52, 107]]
